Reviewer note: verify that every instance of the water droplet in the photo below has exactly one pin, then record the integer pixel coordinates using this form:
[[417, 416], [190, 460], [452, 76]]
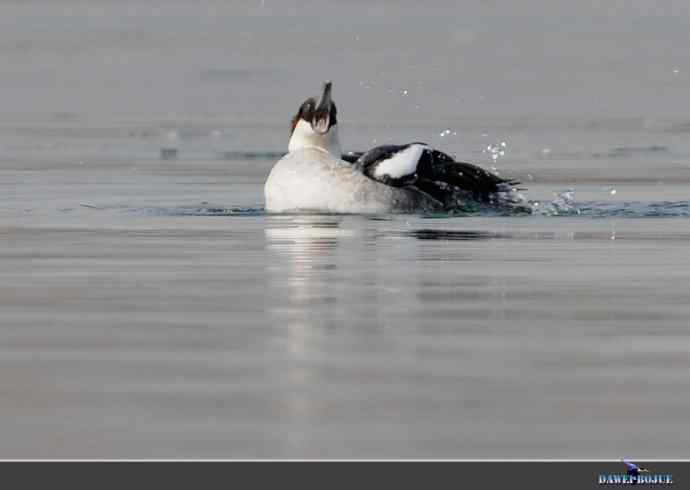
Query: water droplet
[[613, 192], [404, 92], [529, 177], [545, 151], [675, 72], [504, 144]]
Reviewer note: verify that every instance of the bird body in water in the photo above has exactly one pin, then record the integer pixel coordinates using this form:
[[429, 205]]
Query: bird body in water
[[316, 176]]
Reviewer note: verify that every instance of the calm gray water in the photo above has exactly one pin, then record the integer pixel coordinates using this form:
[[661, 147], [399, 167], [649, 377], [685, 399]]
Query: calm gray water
[[150, 309]]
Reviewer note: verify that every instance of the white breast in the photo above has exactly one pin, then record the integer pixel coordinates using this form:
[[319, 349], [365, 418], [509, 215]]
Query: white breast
[[310, 179]]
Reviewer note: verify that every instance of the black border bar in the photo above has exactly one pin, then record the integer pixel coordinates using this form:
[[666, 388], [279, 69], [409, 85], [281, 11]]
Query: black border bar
[[325, 475]]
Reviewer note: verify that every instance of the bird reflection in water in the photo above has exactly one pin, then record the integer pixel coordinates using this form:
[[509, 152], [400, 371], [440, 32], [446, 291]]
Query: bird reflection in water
[[462, 235], [302, 303]]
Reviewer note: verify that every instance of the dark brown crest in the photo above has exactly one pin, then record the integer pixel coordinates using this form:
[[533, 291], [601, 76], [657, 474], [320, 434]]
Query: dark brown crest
[[306, 112], [316, 115]]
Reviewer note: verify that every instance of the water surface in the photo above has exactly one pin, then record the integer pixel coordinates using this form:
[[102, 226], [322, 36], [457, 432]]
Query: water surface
[[150, 308]]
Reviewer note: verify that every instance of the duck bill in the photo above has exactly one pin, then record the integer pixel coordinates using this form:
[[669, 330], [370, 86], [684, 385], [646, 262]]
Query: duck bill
[[321, 121]]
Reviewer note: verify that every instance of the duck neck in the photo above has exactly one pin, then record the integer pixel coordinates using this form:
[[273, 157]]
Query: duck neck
[[305, 137]]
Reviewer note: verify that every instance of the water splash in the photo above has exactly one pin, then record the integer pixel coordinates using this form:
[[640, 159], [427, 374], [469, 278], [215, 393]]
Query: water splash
[[496, 150], [563, 205]]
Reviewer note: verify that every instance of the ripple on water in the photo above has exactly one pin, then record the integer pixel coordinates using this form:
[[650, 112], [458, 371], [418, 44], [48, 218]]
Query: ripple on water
[[564, 205], [201, 211]]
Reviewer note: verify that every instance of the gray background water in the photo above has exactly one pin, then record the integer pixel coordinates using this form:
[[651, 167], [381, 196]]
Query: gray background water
[[148, 308]]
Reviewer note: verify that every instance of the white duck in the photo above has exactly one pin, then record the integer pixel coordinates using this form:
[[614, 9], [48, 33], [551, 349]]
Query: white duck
[[315, 176]]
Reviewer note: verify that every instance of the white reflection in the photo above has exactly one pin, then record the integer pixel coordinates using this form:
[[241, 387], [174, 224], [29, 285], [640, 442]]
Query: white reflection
[[302, 298]]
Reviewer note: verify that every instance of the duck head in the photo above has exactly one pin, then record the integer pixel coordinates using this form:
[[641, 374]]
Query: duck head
[[316, 125]]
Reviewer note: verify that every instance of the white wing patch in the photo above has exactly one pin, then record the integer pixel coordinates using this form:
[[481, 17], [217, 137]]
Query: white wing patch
[[401, 164]]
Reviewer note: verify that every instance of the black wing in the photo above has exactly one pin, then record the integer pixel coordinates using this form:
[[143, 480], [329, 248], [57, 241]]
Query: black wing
[[438, 171], [432, 172]]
